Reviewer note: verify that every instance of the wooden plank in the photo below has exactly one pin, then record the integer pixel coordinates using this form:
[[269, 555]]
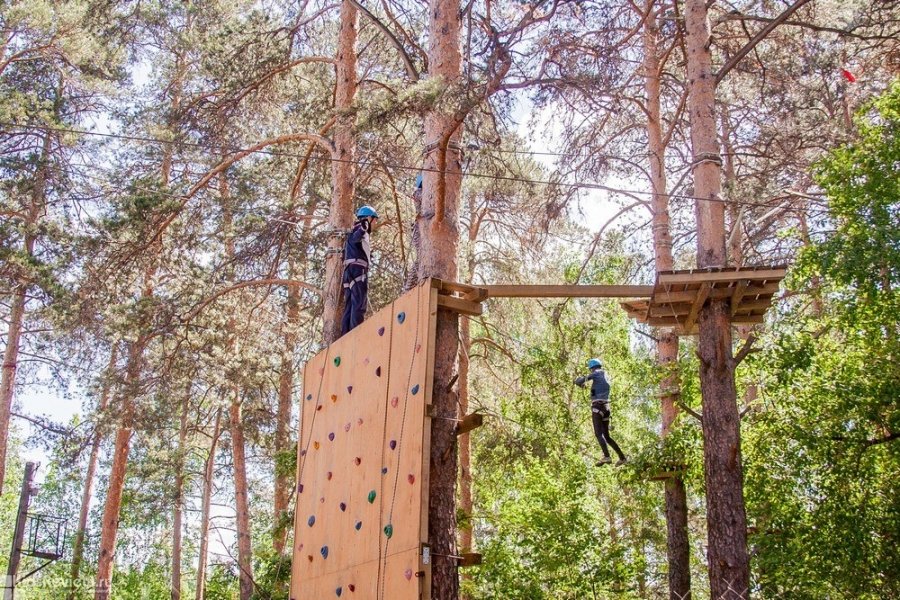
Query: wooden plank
[[569, 291], [470, 559], [766, 289], [762, 274], [469, 422], [463, 307], [699, 301]]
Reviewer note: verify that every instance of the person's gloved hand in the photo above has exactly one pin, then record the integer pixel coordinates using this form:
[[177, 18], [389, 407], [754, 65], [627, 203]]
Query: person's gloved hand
[[366, 225]]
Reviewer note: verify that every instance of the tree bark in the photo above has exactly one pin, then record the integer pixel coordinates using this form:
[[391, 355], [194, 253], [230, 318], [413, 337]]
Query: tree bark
[[19, 298], [677, 542], [177, 512], [341, 215], [729, 570], [208, 475], [440, 247], [283, 424], [78, 546], [113, 505], [241, 498]]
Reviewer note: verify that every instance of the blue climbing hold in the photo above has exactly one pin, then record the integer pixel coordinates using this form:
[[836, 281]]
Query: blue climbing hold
[[401, 317], [338, 592], [311, 521], [415, 389], [324, 551], [309, 396], [358, 525]]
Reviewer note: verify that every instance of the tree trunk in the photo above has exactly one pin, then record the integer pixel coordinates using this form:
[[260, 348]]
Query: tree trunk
[[208, 475], [179, 497], [341, 215], [283, 484], [113, 505], [677, 542], [729, 570], [19, 298], [78, 546], [440, 247], [241, 498]]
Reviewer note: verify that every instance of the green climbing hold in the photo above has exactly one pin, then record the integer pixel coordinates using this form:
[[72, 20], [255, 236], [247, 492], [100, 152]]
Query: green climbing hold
[[372, 496], [337, 361], [388, 530]]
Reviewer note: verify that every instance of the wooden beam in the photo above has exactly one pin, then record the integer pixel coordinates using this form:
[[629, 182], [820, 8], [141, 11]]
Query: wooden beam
[[738, 295], [469, 422], [469, 559], [463, 307], [699, 301], [718, 276], [569, 291]]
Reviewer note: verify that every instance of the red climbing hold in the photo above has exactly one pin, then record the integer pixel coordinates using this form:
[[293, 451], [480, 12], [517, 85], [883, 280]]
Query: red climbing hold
[[351, 587], [357, 460], [347, 427], [329, 475], [408, 574], [395, 401], [411, 478]]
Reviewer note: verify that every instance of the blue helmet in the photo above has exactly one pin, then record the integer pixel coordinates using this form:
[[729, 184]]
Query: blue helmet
[[366, 212], [594, 363]]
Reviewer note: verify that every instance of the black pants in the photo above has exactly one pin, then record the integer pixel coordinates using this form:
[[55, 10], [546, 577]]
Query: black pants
[[356, 299], [600, 416]]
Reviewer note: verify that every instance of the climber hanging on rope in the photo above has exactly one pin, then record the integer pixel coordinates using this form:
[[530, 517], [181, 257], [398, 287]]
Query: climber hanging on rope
[[600, 410], [357, 254]]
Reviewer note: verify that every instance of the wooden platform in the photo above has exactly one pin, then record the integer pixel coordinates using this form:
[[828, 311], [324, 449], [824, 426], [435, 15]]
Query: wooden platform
[[678, 296]]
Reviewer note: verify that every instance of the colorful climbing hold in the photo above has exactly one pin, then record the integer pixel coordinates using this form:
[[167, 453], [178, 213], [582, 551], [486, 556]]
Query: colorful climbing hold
[[319, 407], [381, 331], [329, 475], [351, 587], [389, 530], [309, 396], [358, 525], [309, 556], [334, 397], [378, 372], [415, 389], [338, 592], [322, 499], [366, 360], [384, 470], [408, 574], [372, 495], [418, 348], [311, 521], [300, 487], [357, 460], [395, 401], [316, 445], [359, 421], [411, 478], [349, 389], [337, 361], [393, 444], [303, 452], [331, 437], [324, 551], [343, 506], [347, 426], [401, 317]]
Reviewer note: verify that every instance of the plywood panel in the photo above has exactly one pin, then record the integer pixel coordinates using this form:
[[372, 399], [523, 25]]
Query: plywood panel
[[367, 390]]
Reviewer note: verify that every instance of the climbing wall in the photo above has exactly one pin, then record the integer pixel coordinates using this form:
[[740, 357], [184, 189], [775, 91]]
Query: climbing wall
[[362, 467]]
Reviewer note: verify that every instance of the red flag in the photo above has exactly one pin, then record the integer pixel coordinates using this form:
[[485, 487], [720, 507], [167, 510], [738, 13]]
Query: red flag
[[848, 75]]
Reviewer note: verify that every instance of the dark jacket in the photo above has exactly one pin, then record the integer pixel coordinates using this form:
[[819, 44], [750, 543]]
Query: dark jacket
[[599, 385]]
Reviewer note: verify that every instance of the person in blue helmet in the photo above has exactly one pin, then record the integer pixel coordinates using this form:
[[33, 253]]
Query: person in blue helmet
[[600, 410], [357, 253]]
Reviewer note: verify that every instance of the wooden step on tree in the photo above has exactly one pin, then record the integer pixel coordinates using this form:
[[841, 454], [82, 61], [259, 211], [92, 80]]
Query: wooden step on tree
[[678, 296]]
